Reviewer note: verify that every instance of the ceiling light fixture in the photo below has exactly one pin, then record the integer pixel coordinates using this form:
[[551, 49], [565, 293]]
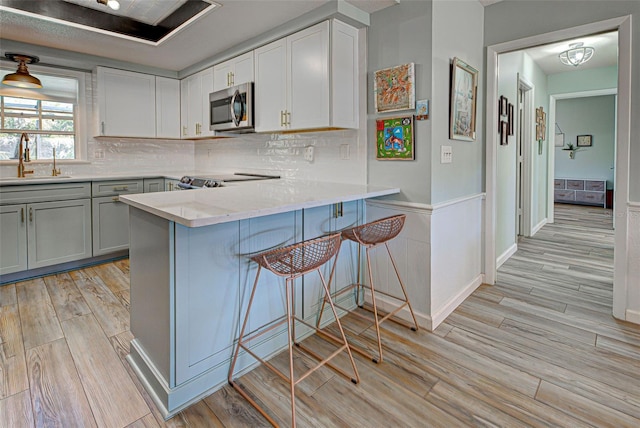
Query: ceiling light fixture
[[113, 4], [576, 54], [21, 78]]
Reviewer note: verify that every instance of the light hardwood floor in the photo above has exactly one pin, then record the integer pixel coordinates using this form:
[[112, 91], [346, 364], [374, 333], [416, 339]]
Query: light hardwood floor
[[538, 349]]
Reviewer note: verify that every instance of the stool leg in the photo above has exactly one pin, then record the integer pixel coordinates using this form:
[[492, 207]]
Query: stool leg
[[339, 324], [290, 322], [244, 326], [324, 299], [404, 291], [375, 308]]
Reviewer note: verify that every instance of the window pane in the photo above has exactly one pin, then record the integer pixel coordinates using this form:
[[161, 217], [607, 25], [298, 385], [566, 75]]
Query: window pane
[[22, 123], [44, 145], [20, 103], [57, 125], [9, 146], [55, 106]]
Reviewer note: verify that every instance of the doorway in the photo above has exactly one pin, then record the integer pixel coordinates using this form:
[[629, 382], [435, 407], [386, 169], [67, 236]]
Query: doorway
[[623, 26]]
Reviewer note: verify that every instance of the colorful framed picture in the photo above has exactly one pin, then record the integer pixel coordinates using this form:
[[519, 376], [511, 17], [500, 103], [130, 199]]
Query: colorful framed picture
[[394, 88], [584, 141], [394, 138], [464, 89]]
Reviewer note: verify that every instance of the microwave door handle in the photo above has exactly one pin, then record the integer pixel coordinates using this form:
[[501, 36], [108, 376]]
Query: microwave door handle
[[235, 118]]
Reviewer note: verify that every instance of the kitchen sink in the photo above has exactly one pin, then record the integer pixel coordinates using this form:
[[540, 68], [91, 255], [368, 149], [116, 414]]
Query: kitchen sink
[[43, 177]]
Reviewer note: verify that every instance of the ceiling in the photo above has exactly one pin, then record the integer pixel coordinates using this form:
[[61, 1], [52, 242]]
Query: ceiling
[[606, 53], [221, 29]]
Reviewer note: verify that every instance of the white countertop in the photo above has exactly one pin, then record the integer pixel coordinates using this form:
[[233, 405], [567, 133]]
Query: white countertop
[[239, 201], [48, 179]]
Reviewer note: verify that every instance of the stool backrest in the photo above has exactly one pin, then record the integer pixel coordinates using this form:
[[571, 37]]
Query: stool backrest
[[378, 231], [300, 258]]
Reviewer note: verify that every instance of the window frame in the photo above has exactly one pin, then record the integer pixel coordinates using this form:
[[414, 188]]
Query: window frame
[[80, 107]]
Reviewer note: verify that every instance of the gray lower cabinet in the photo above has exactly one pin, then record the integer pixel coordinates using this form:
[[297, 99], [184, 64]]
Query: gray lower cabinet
[[110, 216], [171, 184], [153, 185], [44, 234]]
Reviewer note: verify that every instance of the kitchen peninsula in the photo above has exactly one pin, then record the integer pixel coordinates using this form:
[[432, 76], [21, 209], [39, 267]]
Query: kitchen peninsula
[[191, 273]]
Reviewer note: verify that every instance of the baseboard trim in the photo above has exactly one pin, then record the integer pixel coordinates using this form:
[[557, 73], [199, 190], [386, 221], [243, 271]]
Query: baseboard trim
[[446, 310], [632, 316], [506, 255], [387, 304], [539, 226]]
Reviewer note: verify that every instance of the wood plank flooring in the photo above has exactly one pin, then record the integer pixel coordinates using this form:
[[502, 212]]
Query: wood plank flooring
[[540, 348]]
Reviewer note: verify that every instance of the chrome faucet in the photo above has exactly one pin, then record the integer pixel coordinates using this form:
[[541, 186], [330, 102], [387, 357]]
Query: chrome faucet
[[23, 156], [55, 172]]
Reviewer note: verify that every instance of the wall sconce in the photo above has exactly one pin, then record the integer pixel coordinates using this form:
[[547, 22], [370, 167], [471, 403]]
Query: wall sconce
[[21, 78]]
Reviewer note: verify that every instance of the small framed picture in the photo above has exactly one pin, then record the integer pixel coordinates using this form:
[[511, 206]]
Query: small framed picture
[[504, 133], [422, 110], [502, 107], [584, 141], [510, 118], [394, 138], [559, 140]]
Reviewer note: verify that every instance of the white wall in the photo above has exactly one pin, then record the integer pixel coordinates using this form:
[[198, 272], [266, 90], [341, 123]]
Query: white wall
[[594, 116]]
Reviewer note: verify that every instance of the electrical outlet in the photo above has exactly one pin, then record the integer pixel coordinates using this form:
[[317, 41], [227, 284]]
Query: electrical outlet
[[308, 153], [98, 154], [446, 154]]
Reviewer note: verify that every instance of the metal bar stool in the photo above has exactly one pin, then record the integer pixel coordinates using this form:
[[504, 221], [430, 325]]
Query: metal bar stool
[[370, 235], [292, 262]]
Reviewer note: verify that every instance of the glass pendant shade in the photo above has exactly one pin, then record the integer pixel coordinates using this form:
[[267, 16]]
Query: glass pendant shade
[[21, 78], [576, 54]]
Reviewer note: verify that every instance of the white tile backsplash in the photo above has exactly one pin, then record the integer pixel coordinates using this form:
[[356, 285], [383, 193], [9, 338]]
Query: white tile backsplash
[[283, 154]]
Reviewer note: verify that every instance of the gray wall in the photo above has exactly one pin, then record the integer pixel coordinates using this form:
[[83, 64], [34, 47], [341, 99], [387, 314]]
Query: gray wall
[[511, 20], [594, 116], [398, 35], [583, 80]]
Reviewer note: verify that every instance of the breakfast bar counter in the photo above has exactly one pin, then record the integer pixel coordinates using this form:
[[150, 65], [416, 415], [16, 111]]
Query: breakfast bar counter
[[190, 274]]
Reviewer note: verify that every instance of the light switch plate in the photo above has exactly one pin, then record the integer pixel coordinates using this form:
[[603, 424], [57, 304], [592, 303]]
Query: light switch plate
[[446, 154]]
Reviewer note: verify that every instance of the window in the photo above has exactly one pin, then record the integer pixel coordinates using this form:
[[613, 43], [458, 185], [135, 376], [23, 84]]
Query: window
[[49, 116]]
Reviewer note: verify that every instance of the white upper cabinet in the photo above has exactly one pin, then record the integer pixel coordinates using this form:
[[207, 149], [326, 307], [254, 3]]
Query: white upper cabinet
[[137, 105], [126, 103], [233, 72], [308, 80], [194, 105], [167, 108]]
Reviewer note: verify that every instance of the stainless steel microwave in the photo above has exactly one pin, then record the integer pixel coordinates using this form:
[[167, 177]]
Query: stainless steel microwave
[[231, 109]]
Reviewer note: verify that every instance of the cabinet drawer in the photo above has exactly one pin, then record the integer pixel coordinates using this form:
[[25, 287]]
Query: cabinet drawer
[[595, 198], [30, 193], [564, 195], [575, 184], [559, 184], [120, 187], [595, 185]]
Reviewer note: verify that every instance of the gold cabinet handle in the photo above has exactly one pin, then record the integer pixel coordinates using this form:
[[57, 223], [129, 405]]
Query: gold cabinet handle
[[116, 199], [30, 214], [170, 186], [233, 78], [121, 189], [281, 117], [22, 214], [102, 125], [184, 131], [288, 119]]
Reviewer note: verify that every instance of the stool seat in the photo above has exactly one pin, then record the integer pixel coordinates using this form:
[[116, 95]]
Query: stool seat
[[369, 236], [292, 262]]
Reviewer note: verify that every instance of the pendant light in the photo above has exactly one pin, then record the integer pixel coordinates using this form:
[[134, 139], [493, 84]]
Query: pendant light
[[113, 4], [577, 54], [21, 78]]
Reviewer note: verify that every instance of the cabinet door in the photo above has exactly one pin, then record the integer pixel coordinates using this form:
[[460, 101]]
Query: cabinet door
[[171, 185], [110, 225], [207, 297], [222, 75], [207, 88], [194, 105], [184, 108], [167, 108], [308, 69], [153, 185], [58, 232], [344, 76], [13, 239], [270, 86], [126, 103], [242, 69]]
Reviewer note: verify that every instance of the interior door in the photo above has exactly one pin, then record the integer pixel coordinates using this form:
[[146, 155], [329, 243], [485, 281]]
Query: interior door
[[519, 163]]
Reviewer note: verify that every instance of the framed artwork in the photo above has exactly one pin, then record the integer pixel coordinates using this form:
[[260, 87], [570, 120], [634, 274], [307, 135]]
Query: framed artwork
[[422, 110], [502, 106], [504, 133], [510, 118], [541, 124], [394, 138], [394, 88], [464, 88], [559, 140], [584, 141]]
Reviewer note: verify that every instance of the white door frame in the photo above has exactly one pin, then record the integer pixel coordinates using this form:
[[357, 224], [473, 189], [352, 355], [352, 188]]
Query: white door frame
[[525, 130], [623, 26]]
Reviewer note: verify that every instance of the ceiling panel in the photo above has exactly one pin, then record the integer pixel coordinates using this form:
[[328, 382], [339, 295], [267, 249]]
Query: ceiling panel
[[148, 11]]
